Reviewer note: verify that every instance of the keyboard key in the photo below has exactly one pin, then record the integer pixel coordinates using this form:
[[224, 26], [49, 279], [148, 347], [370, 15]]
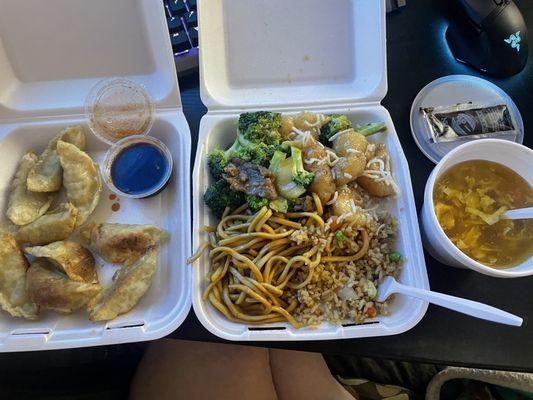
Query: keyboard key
[[174, 24], [193, 35], [191, 4], [168, 11], [177, 7], [180, 42], [191, 19]]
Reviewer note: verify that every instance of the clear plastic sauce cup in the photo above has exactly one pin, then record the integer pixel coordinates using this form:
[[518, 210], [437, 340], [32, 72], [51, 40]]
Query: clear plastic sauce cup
[[117, 108], [137, 167]]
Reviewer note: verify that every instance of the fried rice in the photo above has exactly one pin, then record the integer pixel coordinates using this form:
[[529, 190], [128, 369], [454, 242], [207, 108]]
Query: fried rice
[[342, 293]]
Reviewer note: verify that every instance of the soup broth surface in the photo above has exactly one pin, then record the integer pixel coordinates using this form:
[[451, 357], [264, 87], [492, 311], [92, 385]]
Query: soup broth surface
[[469, 199]]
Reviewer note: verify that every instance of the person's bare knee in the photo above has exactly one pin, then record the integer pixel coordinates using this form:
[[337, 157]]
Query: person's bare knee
[[173, 369], [299, 374]]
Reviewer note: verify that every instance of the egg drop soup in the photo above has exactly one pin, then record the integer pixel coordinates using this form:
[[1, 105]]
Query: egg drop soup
[[469, 200]]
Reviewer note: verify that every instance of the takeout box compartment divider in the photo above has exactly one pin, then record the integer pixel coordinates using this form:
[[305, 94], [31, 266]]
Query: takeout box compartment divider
[[51, 54], [288, 57]]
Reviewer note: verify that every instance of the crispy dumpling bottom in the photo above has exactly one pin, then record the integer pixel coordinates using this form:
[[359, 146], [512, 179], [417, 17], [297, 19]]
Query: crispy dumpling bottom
[[51, 289]]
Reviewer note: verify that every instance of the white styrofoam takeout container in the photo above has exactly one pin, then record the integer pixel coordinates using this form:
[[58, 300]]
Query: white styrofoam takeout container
[[51, 54], [513, 155], [290, 56]]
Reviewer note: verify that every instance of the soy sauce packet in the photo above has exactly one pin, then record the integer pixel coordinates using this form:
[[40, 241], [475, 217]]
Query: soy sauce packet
[[469, 121]]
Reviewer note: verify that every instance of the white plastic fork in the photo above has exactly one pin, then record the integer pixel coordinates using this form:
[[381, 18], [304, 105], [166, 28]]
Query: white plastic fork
[[519, 213], [473, 308]]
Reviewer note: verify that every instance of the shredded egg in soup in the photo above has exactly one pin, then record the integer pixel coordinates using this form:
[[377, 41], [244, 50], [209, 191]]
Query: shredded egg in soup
[[469, 200]]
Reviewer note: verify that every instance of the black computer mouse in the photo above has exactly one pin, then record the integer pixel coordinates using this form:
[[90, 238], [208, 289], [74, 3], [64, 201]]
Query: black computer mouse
[[489, 35]]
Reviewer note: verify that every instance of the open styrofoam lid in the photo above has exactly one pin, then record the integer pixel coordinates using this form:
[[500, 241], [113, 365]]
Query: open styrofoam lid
[[456, 89], [52, 52], [281, 53]]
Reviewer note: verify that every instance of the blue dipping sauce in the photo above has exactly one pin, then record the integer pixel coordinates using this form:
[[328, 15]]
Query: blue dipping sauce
[[140, 168]]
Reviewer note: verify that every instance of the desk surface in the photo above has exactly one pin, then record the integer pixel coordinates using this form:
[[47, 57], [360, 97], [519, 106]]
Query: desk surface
[[417, 54]]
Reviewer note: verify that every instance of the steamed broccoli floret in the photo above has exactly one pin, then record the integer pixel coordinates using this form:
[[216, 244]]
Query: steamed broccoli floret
[[337, 123], [371, 128], [217, 160], [256, 203], [256, 153], [218, 196], [275, 162], [281, 167], [291, 178], [299, 174], [257, 140], [260, 127], [259, 154], [269, 150], [279, 205], [235, 148]]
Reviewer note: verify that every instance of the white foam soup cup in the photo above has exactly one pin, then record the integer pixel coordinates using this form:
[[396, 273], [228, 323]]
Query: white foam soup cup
[[513, 155]]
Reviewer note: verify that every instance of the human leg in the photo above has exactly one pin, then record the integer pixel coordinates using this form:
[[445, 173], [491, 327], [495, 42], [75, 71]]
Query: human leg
[[176, 369], [303, 375]]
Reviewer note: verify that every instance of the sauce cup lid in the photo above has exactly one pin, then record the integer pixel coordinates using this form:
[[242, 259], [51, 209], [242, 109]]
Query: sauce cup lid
[[125, 143], [117, 108]]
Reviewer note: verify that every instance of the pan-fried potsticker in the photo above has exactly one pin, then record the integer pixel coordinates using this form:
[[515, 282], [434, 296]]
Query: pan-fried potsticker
[[13, 265], [52, 289], [46, 175], [25, 206], [81, 178], [130, 283], [122, 243], [51, 227], [71, 257]]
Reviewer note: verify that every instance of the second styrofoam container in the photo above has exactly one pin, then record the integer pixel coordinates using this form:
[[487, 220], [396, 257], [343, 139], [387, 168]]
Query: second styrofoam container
[[266, 55], [515, 156], [405, 312]]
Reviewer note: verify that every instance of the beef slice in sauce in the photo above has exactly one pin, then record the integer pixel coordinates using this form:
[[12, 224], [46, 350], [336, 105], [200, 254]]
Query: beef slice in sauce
[[251, 179]]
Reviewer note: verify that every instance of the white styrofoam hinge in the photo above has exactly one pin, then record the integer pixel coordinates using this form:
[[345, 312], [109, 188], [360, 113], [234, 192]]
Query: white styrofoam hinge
[[74, 116], [295, 108]]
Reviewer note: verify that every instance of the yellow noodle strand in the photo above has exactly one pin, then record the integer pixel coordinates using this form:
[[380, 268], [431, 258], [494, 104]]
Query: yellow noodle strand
[[241, 258], [318, 204], [361, 253], [198, 253]]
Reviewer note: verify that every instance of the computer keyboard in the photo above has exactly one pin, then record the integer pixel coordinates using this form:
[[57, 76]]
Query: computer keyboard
[[393, 5], [182, 20]]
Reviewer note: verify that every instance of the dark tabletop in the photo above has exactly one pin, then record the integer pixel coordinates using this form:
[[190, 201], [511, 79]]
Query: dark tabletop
[[418, 54]]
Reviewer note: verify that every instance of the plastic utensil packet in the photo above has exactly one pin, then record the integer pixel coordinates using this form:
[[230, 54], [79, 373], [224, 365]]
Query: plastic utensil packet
[[469, 121]]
